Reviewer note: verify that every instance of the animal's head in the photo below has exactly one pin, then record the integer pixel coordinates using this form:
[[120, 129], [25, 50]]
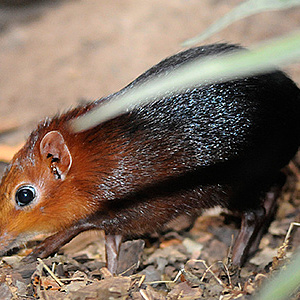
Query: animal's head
[[37, 193], [58, 178]]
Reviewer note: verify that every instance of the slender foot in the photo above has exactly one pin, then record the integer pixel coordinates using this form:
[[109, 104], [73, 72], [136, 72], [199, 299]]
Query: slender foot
[[112, 243], [54, 242], [251, 223], [270, 208], [254, 223]]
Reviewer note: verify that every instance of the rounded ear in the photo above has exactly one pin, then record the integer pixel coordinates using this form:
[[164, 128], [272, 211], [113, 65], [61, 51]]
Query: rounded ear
[[54, 150]]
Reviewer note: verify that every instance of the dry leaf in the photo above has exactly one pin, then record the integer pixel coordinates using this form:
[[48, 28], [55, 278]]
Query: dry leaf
[[184, 292]]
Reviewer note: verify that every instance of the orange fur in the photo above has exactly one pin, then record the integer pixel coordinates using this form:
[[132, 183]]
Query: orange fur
[[59, 203]]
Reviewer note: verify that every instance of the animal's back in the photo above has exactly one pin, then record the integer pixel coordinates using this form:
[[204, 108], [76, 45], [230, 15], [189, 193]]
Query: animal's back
[[252, 122]]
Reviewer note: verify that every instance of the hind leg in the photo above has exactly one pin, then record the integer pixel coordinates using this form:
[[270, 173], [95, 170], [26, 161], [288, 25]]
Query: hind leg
[[270, 208], [252, 221], [254, 224]]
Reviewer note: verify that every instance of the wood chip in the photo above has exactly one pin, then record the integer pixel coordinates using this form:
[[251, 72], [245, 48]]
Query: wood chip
[[185, 292], [130, 257]]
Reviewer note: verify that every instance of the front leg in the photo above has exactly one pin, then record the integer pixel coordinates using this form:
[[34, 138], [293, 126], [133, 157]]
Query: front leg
[[54, 242], [112, 248]]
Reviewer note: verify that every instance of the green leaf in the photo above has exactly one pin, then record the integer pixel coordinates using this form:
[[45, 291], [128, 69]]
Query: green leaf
[[262, 58], [244, 10], [283, 285]]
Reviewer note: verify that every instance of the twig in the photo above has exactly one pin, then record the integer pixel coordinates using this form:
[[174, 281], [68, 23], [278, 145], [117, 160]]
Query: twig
[[159, 281], [144, 295], [288, 235], [166, 281], [128, 269], [178, 275], [208, 269], [50, 272], [75, 279], [227, 273], [141, 280], [25, 296]]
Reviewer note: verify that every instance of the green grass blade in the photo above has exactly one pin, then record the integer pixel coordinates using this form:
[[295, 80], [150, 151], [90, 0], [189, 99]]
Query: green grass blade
[[262, 58], [283, 285], [244, 10]]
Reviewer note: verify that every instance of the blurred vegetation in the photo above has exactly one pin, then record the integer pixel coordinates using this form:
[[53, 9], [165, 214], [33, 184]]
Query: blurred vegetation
[[246, 9], [262, 58]]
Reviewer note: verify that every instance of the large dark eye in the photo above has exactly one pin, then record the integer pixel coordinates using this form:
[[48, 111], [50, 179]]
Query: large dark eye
[[25, 194]]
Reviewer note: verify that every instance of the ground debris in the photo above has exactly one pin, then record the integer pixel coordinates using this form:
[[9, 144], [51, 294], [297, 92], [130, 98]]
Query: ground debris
[[130, 257], [171, 267], [183, 291]]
